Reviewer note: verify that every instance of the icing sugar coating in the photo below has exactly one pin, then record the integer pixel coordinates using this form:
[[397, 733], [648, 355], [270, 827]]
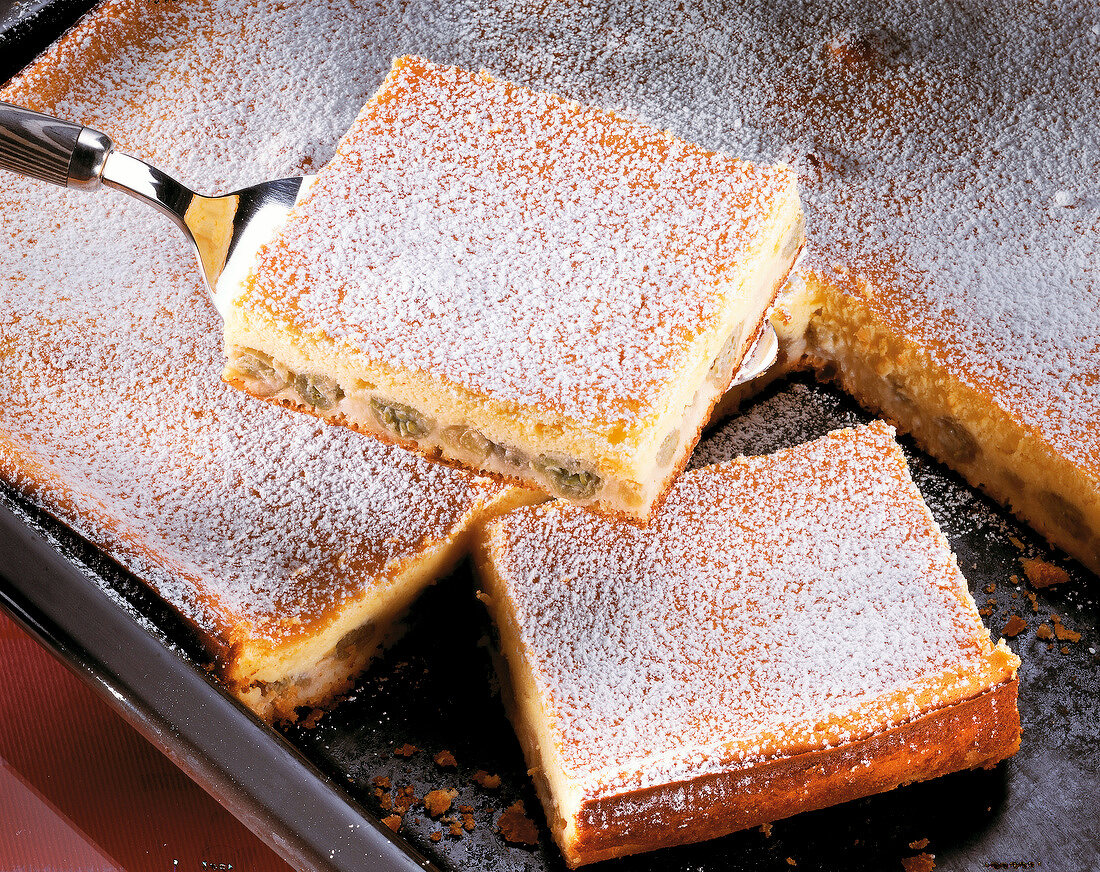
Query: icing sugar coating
[[773, 605], [252, 522], [946, 155], [519, 245]]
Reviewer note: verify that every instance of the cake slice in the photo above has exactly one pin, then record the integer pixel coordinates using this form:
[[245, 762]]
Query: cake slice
[[789, 632], [516, 284]]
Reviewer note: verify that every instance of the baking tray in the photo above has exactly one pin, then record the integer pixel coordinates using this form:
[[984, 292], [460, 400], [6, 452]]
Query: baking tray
[[310, 793]]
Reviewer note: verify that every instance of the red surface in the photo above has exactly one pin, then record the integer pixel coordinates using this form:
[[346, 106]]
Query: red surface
[[82, 791]]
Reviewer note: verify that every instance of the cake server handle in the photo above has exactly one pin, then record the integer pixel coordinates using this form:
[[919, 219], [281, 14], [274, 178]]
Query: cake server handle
[[52, 150]]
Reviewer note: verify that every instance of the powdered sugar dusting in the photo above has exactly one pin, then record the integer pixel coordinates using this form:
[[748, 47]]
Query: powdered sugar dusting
[[773, 604], [947, 154], [252, 521], [538, 251]]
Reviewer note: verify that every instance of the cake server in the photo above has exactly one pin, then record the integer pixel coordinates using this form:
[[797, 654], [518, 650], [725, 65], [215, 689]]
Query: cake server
[[225, 230]]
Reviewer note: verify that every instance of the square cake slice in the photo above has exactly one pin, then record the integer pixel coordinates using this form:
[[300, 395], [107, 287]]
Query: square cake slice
[[516, 284], [789, 632]]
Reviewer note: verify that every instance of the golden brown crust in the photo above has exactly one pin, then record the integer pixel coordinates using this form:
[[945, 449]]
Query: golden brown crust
[[977, 732]]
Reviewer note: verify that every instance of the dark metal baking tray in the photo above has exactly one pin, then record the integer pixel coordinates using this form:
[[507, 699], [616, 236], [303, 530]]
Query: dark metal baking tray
[[308, 792]]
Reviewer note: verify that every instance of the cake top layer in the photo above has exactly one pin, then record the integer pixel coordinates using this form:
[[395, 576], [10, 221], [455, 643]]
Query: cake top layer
[[774, 605], [253, 523], [946, 157], [525, 247]]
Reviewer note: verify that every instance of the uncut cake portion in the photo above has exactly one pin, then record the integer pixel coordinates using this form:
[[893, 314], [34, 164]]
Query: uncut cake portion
[[788, 632], [947, 163], [517, 284]]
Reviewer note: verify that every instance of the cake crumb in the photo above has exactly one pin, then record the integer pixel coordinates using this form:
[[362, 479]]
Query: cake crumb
[[1042, 574], [1019, 545], [405, 750], [1014, 627], [438, 802], [436, 836], [919, 863], [766, 829], [406, 799], [484, 779], [791, 861], [918, 845], [985, 612], [468, 823], [1034, 600], [381, 781], [1062, 632], [466, 809], [1065, 649], [392, 821], [515, 827], [990, 588], [1044, 632], [445, 760], [455, 829]]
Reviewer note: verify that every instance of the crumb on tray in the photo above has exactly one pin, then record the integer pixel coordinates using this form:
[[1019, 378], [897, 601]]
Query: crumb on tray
[[1014, 627], [484, 779], [445, 760], [515, 827], [919, 863], [1042, 574], [438, 802]]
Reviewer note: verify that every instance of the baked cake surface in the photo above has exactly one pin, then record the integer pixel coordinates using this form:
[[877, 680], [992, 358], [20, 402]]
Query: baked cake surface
[[518, 283], [290, 546], [788, 632], [944, 156]]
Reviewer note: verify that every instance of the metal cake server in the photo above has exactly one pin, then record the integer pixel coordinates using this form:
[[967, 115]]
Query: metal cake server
[[226, 230], [761, 357]]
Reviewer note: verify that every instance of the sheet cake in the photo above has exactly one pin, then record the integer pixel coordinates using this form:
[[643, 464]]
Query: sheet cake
[[952, 280]]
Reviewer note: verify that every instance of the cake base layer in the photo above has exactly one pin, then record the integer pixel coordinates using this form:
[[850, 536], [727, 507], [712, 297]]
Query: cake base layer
[[976, 733]]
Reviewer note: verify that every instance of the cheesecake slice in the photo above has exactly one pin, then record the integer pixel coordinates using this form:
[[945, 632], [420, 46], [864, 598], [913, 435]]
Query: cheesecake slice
[[516, 284], [789, 632]]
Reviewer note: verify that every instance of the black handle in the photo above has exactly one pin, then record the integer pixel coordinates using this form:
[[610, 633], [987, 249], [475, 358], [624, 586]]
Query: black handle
[[47, 148]]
